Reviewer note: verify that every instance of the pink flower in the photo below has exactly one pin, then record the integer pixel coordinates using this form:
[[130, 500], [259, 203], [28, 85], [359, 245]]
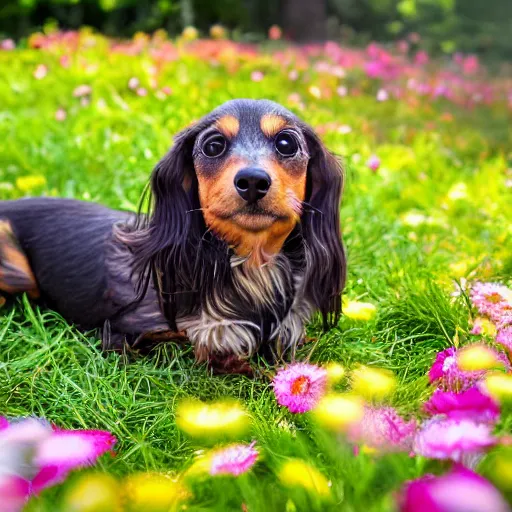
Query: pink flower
[[300, 386], [382, 95], [133, 83], [402, 46], [460, 490], [342, 91], [60, 114], [472, 404], [470, 65], [82, 90], [42, 456], [454, 439], [257, 76], [446, 373], [491, 299], [14, 493], [65, 61], [504, 338], [141, 91], [275, 33], [383, 429], [293, 75], [40, 72], [7, 44], [167, 90], [421, 58], [373, 163], [234, 460]]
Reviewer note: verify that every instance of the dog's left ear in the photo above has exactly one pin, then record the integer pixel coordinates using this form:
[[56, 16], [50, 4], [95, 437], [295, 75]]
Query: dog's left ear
[[325, 255]]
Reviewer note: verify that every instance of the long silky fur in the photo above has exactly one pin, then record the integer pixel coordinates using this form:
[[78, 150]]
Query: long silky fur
[[193, 270]]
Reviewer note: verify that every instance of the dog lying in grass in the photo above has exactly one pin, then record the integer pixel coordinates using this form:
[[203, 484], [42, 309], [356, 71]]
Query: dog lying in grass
[[241, 246]]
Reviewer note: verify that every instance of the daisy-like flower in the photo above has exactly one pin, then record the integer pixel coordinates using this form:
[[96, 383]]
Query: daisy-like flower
[[460, 490], [233, 460], [359, 310], [454, 439], [472, 404], [300, 386], [448, 375], [384, 430], [491, 299]]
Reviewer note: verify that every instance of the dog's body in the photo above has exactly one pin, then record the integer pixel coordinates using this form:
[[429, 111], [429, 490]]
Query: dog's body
[[241, 247]]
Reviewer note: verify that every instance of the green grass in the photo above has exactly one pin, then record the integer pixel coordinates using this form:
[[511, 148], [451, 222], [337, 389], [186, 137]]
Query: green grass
[[105, 152]]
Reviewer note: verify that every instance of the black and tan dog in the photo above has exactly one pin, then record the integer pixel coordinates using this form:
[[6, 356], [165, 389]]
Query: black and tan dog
[[241, 246]]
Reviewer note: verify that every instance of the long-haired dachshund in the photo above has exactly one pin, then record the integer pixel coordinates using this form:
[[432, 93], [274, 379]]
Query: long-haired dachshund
[[241, 246]]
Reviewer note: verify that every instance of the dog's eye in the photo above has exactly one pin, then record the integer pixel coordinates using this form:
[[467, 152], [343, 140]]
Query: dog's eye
[[286, 144], [214, 146]]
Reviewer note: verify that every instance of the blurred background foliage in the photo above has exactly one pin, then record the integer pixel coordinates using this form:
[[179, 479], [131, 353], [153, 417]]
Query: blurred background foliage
[[444, 26]]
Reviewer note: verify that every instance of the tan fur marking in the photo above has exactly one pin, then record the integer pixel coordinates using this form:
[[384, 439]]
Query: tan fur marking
[[16, 276], [228, 125], [271, 124]]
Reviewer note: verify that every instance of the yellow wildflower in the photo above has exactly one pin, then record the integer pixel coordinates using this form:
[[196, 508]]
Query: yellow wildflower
[[153, 492], [359, 310], [217, 32], [190, 33], [477, 357], [373, 382], [338, 412], [499, 385], [28, 183], [335, 372], [212, 420], [94, 493], [297, 473]]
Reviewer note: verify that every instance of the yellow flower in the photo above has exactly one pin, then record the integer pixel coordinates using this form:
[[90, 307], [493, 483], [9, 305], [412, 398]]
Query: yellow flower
[[499, 385], [338, 412], [477, 357], [212, 420], [458, 191], [189, 33], [359, 310], [217, 32], [501, 464], [94, 493], [201, 466], [315, 91], [153, 492], [373, 382], [297, 473], [484, 326], [28, 183], [335, 372]]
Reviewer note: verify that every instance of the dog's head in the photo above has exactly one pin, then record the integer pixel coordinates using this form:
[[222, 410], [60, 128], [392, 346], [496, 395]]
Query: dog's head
[[255, 176]]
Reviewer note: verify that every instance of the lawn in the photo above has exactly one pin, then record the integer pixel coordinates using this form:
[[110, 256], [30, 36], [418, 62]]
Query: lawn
[[426, 211]]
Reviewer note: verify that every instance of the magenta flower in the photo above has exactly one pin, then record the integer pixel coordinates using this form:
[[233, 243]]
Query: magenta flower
[[383, 429], [234, 460], [14, 493], [373, 163], [300, 386], [504, 338], [460, 490], [41, 456], [447, 375], [454, 439], [471, 404], [491, 299]]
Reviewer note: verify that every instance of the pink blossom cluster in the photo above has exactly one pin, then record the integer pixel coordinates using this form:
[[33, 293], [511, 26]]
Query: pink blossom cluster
[[34, 455]]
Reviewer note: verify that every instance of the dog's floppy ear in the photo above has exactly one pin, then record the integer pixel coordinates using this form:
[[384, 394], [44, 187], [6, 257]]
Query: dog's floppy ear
[[325, 255]]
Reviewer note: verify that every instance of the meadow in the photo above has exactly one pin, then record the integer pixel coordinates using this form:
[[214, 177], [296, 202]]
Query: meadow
[[426, 212]]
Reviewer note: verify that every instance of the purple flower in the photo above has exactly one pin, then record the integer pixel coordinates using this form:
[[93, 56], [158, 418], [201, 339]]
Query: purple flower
[[384, 430], [373, 163], [460, 490], [234, 460], [300, 386], [454, 439], [472, 404]]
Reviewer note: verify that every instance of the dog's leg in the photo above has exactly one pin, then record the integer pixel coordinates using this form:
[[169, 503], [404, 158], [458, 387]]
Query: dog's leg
[[16, 276]]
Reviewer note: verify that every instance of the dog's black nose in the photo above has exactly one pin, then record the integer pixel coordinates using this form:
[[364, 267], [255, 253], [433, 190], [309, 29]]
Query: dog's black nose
[[252, 184]]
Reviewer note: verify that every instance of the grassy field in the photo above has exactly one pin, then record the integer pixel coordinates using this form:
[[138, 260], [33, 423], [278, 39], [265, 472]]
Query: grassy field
[[437, 211]]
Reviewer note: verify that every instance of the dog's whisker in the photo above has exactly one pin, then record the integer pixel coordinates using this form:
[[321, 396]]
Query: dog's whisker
[[313, 208]]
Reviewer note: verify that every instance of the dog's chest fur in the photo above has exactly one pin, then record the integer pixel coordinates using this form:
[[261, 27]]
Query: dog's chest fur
[[255, 306]]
